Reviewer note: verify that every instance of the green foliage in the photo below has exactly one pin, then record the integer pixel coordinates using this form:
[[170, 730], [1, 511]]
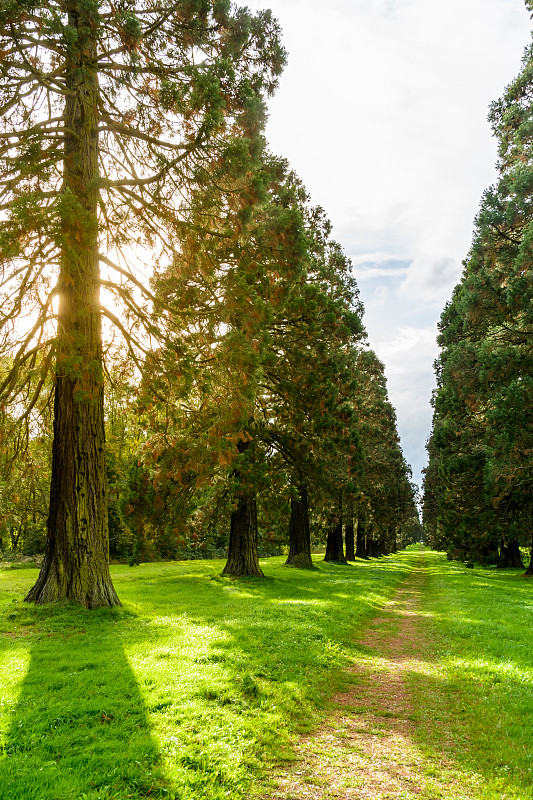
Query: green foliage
[[480, 477], [242, 370], [262, 376], [383, 495], [25, 456], [109, 121]]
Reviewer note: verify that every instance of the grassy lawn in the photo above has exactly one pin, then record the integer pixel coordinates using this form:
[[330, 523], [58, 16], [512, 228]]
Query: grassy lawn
[[474, 689], [188, 691], [200, 682]]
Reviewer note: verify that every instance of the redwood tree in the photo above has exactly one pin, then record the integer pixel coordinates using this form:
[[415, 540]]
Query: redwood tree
[[108, 112], [270, 349], [479, 481], [299, 535]]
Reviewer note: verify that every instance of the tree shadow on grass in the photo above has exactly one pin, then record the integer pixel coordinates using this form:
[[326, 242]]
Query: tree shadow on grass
[[228, 665], [79, 728], [496, 682]]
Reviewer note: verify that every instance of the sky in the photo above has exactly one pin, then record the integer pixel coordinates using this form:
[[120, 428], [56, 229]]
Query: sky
[[382, 112]]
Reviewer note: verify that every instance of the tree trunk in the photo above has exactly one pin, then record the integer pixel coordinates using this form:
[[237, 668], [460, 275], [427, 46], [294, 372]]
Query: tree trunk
[[299, 536], [242, 553], [381, 545], [334, 546], [76, 562], [486, 554], [510, 556], [360, 543], [529, 570], [371, 547], [349, 537], [15, 538]]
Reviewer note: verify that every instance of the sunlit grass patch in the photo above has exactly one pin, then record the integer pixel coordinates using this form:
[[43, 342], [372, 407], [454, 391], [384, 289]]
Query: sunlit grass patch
[[477, 691], [189, 691]]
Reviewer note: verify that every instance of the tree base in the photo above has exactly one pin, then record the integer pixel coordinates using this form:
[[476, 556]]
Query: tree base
[[334, 544], [510, 556], [243, 560], [89, 590], [241, 570], [301, 561]]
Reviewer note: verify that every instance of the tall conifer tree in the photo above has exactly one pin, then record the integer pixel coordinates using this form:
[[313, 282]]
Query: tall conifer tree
[[109, 111], [479, 482]]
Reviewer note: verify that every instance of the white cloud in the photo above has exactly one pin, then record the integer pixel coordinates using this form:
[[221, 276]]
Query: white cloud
[[410, 384], [374, 258], [371, 273], [430, 279]]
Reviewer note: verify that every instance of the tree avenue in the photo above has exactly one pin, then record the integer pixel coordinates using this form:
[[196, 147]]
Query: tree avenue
[[151, 244], [272, 413], [109, 111]]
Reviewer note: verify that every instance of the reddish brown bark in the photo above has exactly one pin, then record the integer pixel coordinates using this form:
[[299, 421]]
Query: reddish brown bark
[[334, 544], [242, 551], [349, 536], [360, 549], [76, 562], [299, 536], [510, 556]]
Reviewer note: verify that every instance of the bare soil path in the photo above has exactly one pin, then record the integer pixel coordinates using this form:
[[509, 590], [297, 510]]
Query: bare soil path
[[367, 749]]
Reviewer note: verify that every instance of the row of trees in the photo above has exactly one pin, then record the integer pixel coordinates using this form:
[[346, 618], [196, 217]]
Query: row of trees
[[479, 481], [131, 145], [294, 409]]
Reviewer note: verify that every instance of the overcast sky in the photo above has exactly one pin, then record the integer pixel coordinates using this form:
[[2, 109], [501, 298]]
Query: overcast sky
[[382, 111]]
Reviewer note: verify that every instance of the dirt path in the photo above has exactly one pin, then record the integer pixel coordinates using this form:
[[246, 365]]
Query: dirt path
[[367, 748]]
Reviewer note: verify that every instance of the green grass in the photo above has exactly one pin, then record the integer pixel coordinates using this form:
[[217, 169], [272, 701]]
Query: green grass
[[474, 689], [189, 691], [199, 682]]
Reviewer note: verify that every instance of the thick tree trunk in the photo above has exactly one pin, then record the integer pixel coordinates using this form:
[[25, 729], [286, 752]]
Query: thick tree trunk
[[243, 558], [486, 554], [299, 536], [360, 542], [334, 545], [242, 553], [381, 545], [510, 556], [371, 547], [349, 536], [76, 562]]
